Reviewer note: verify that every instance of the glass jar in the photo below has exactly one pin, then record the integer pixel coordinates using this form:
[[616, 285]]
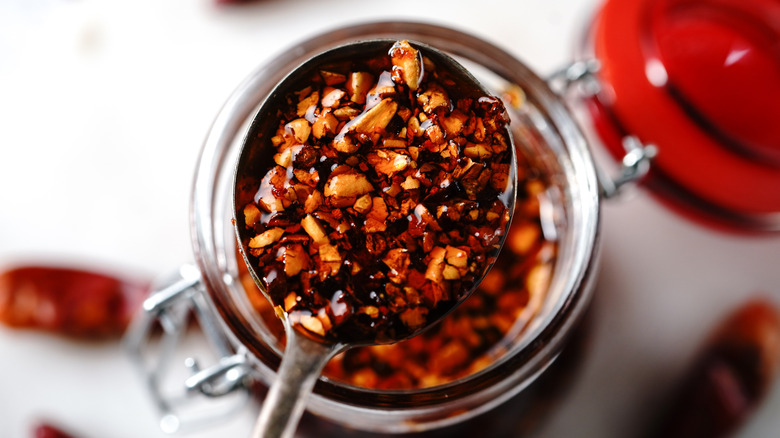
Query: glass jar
[[544, 130]]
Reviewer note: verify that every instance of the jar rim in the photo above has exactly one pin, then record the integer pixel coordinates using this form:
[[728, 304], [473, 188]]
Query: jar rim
[[484, 389]]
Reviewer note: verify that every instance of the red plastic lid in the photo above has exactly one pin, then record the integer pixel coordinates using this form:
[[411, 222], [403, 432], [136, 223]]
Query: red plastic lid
[[700, 79]]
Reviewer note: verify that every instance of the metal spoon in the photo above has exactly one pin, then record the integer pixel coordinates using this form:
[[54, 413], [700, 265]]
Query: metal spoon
[[304, 357]]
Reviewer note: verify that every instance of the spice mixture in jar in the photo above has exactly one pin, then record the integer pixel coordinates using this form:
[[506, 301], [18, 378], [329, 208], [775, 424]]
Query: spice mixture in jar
[[472, 336]]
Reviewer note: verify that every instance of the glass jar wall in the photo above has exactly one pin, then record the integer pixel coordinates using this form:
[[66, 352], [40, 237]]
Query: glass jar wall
[[566, 203]]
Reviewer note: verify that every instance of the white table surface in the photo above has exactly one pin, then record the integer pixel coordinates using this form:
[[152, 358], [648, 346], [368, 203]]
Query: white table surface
[[103, 108]]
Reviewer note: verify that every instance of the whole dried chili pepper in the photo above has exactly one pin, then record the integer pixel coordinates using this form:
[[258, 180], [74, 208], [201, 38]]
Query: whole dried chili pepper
[[730, 377], [235, 2], [67, 301], [46, 430]]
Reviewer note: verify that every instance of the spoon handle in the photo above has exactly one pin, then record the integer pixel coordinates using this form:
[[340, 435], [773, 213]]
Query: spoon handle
[[301, 365]]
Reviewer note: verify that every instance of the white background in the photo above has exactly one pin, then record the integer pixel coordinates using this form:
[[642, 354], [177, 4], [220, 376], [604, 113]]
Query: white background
[[103, 108]]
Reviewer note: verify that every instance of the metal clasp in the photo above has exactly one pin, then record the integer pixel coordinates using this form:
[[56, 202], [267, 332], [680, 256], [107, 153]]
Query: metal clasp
[[580, 77], [580, 74], [152, 343], [633, 167]]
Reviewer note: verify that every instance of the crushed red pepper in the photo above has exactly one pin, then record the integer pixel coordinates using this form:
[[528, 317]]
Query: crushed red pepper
[[387, 201]]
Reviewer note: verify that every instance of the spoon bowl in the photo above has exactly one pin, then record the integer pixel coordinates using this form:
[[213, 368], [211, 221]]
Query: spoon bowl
[[453, 271]]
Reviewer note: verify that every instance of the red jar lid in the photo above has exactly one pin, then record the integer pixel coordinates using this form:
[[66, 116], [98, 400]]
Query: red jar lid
[[700, 79]]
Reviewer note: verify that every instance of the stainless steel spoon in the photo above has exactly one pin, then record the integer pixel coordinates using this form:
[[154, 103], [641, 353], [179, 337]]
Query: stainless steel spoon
[[305, 357]]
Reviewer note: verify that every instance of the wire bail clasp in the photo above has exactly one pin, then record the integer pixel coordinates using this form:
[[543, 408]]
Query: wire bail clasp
[[580, 77], [153, 339]]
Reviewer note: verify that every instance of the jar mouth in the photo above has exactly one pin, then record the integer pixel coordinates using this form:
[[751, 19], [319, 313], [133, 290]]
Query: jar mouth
[[552, 136]]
